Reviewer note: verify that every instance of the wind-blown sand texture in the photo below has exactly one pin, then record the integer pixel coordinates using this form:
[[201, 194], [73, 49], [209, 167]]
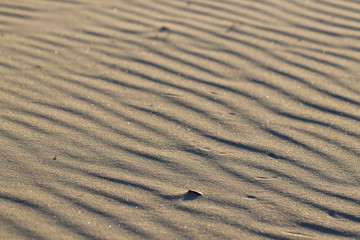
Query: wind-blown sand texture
[[112, 110]]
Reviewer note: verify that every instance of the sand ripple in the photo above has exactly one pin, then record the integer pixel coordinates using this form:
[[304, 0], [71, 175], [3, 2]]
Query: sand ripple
[[112, 110]]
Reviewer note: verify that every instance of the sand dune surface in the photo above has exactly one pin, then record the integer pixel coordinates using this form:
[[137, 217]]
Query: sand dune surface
[[111, 111]]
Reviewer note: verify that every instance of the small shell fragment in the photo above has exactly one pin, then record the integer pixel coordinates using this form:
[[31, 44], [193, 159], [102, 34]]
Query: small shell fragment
[[196, 192]]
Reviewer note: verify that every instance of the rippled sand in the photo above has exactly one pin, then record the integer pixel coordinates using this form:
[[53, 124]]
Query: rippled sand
[[112, 110]]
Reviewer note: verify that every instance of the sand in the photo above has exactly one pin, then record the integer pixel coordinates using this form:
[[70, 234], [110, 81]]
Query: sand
[[111, 111]]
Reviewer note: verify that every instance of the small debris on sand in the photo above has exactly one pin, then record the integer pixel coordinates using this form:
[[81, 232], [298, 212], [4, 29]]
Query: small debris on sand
[[196, 192], [164, 29]]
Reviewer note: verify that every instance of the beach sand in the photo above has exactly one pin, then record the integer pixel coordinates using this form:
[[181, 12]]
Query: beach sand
[[111, 111]]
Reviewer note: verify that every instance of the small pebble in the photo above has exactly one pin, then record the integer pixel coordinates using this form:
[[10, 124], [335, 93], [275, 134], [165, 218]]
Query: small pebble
[[164, 29]]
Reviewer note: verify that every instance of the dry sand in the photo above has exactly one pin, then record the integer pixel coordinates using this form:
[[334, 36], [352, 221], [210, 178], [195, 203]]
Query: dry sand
[[112, 110]]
